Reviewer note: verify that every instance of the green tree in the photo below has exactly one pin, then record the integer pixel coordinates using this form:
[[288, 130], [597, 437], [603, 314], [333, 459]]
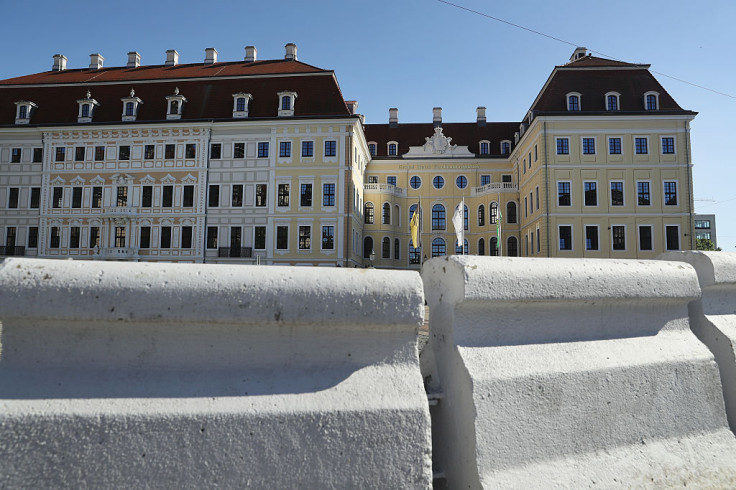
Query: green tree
[[706, 244]]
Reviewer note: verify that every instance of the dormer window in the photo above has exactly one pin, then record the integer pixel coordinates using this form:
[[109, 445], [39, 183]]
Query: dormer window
[[24, 111], [130, 106], [505, 148], [175, 105], [241, 103], [612, 101], [372, 149], [485, 147], [86, 108], [573, 101], [393, 149], [651, 101], [286, 103]]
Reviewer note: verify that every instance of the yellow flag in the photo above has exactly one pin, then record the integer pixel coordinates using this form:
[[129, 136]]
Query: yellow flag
[[414, 226]]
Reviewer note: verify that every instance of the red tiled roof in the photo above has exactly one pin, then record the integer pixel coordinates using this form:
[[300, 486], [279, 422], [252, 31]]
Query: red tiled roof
[[463, 134]]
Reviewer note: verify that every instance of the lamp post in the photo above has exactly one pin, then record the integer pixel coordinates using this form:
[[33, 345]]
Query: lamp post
[[372, 257]]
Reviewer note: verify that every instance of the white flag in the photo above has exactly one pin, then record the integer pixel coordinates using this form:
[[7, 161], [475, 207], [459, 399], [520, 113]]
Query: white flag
[[457, 222]]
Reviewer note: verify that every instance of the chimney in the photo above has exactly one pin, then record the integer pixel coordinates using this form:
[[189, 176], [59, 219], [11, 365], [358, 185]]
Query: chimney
[[172, 57], [290, 52], [250, 54], [210, 56], [481, 111], [393, 117], [95, 61], [437, 117], [59, 62], [352, 106], [134, 59], [578, 53]]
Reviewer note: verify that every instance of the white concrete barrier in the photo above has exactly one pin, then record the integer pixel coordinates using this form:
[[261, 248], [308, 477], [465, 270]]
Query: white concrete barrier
[[713, 317], [193, 376], [561, 373]]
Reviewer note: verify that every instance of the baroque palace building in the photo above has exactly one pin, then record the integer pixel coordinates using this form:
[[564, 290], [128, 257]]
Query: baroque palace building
[[265, 162]]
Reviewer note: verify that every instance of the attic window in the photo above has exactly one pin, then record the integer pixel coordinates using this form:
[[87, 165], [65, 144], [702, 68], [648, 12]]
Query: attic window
[[612, 101], [505, 147], [392, 148], [87, 108], [651, 101], [372, 149], [130, 106], [24, 111], [241, 103], [175, 105], [286, 103], [485, 147], [573, 101]]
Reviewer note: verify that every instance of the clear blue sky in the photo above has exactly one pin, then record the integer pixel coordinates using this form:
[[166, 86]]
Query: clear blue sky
[[417, 54]]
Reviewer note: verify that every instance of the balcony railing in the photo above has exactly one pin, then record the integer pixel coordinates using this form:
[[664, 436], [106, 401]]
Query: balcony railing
[[388, 188], [118, 252], [493, 187], [12, 251], [245, 252], [120, 211]]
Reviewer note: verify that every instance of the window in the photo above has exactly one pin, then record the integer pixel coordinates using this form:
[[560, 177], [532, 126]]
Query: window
[[645, 238], [122, 200], [285, 149], [305, 195], [415, 182], [438, 218], [493, 247], [35, 197], [392, 149], [239, 150], [190, 150], [216, 151], [188, 196], [169, 151], [702, 235], [369, 213], [144, 241], [565, 234], [536, 153], [511, 212], [640, 146], [97, 197], [85, 110], [563, 194], [283, 195], [167, 196], [672, 237], [485, 180], [285, 103], [328, 238], [670, 193], [214, 197], [37, 155], [461, 250], [23, 112], [614, 146], [123, 153], [391, 180], [668, 145], [261, 195], [99, 153], [282, 237], [386, 248], [55, 239], [211, 237], [120, 236], [328, 194], [15, 155], [588, 146], [563, 146], [643, 194], [129, 108], [573, 102], [165, 237], [512, 247], [373, 179], [438, 247], [461, 182], [174, 107], [591, 238], [33, 237], [237, 195], [617, 193], [481, 216], [13, 196], [590, 190], [493, 213], [702, 223], [484, 148], [505, 147], [438, 182], [56, 201], [481, 247], [536, 196], [76, 197], [465, 218], [305, 240], [618, 234], [651, 101], [94, 236], [612, 102], [307, 149], [259, 237], [149, 152], [60, 153], [372, 149], [330, 148], [263, 149], [240, 104], [386, 216], [186, 237]]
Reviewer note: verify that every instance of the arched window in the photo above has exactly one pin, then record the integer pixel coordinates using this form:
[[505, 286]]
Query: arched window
[[512, 247], [573, 102], [481, 247], [438, 247], [411, 213], [367, 247], [372, 149], [465, 218], [369, 213], [493, 248], [438, 217], [651, 101], [392, 149], [493, 213], [415, 254], [386, 214], [464, 250], [612, 101], [511, 212], [386, 248], [397, 249], [505, 147], [481, 216], [397, 215]]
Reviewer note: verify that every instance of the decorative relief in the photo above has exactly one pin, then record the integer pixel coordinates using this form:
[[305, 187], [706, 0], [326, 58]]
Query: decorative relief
[[438, 146]]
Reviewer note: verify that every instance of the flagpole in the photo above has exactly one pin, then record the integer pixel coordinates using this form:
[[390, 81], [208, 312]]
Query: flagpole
[[421, 243], [462, 228]]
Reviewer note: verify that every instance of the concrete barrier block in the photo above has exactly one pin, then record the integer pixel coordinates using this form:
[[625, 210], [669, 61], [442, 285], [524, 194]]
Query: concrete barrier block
[[713, 316], [561, 373], [166, 375]]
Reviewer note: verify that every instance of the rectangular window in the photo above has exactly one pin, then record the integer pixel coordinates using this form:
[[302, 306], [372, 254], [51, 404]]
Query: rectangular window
[[216, 151], [614, 146], [147, 196], [211, 237], [391, 180], [33, 237], [74, 234], [186, 237], [170, 152], [55, 239], [330, 148], [285, 149], [97, 197], [37, 155], [76, 197], [167, 196], [526, 207], [35, 197], [283, 195], [618, 235], [263, 149], [214, 197], [702, 223], [617, 193], [99, 153], [307, 148], [668, 145], [591, 193], [591, 238], [239, 150], [563, 146], [122, 200], [645, 238], [282, 237], [165, 237], [702, 235], [144, 241], [588, 146], [328, 194], [94, 236], [643, 194], [57, 198], [60, 154], [15, 155], [485, 180], [259, 238], [536, 197], [124, 153], [190, 151], [188, 196], [670, 193], [328, 238], [565, 233], [563, 194], [305, 195], [536, 154], [305, 240], [120, 236], [640, 146], [261, 195], [79, 154], [149, 152], [13, 197], [237, 199]]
